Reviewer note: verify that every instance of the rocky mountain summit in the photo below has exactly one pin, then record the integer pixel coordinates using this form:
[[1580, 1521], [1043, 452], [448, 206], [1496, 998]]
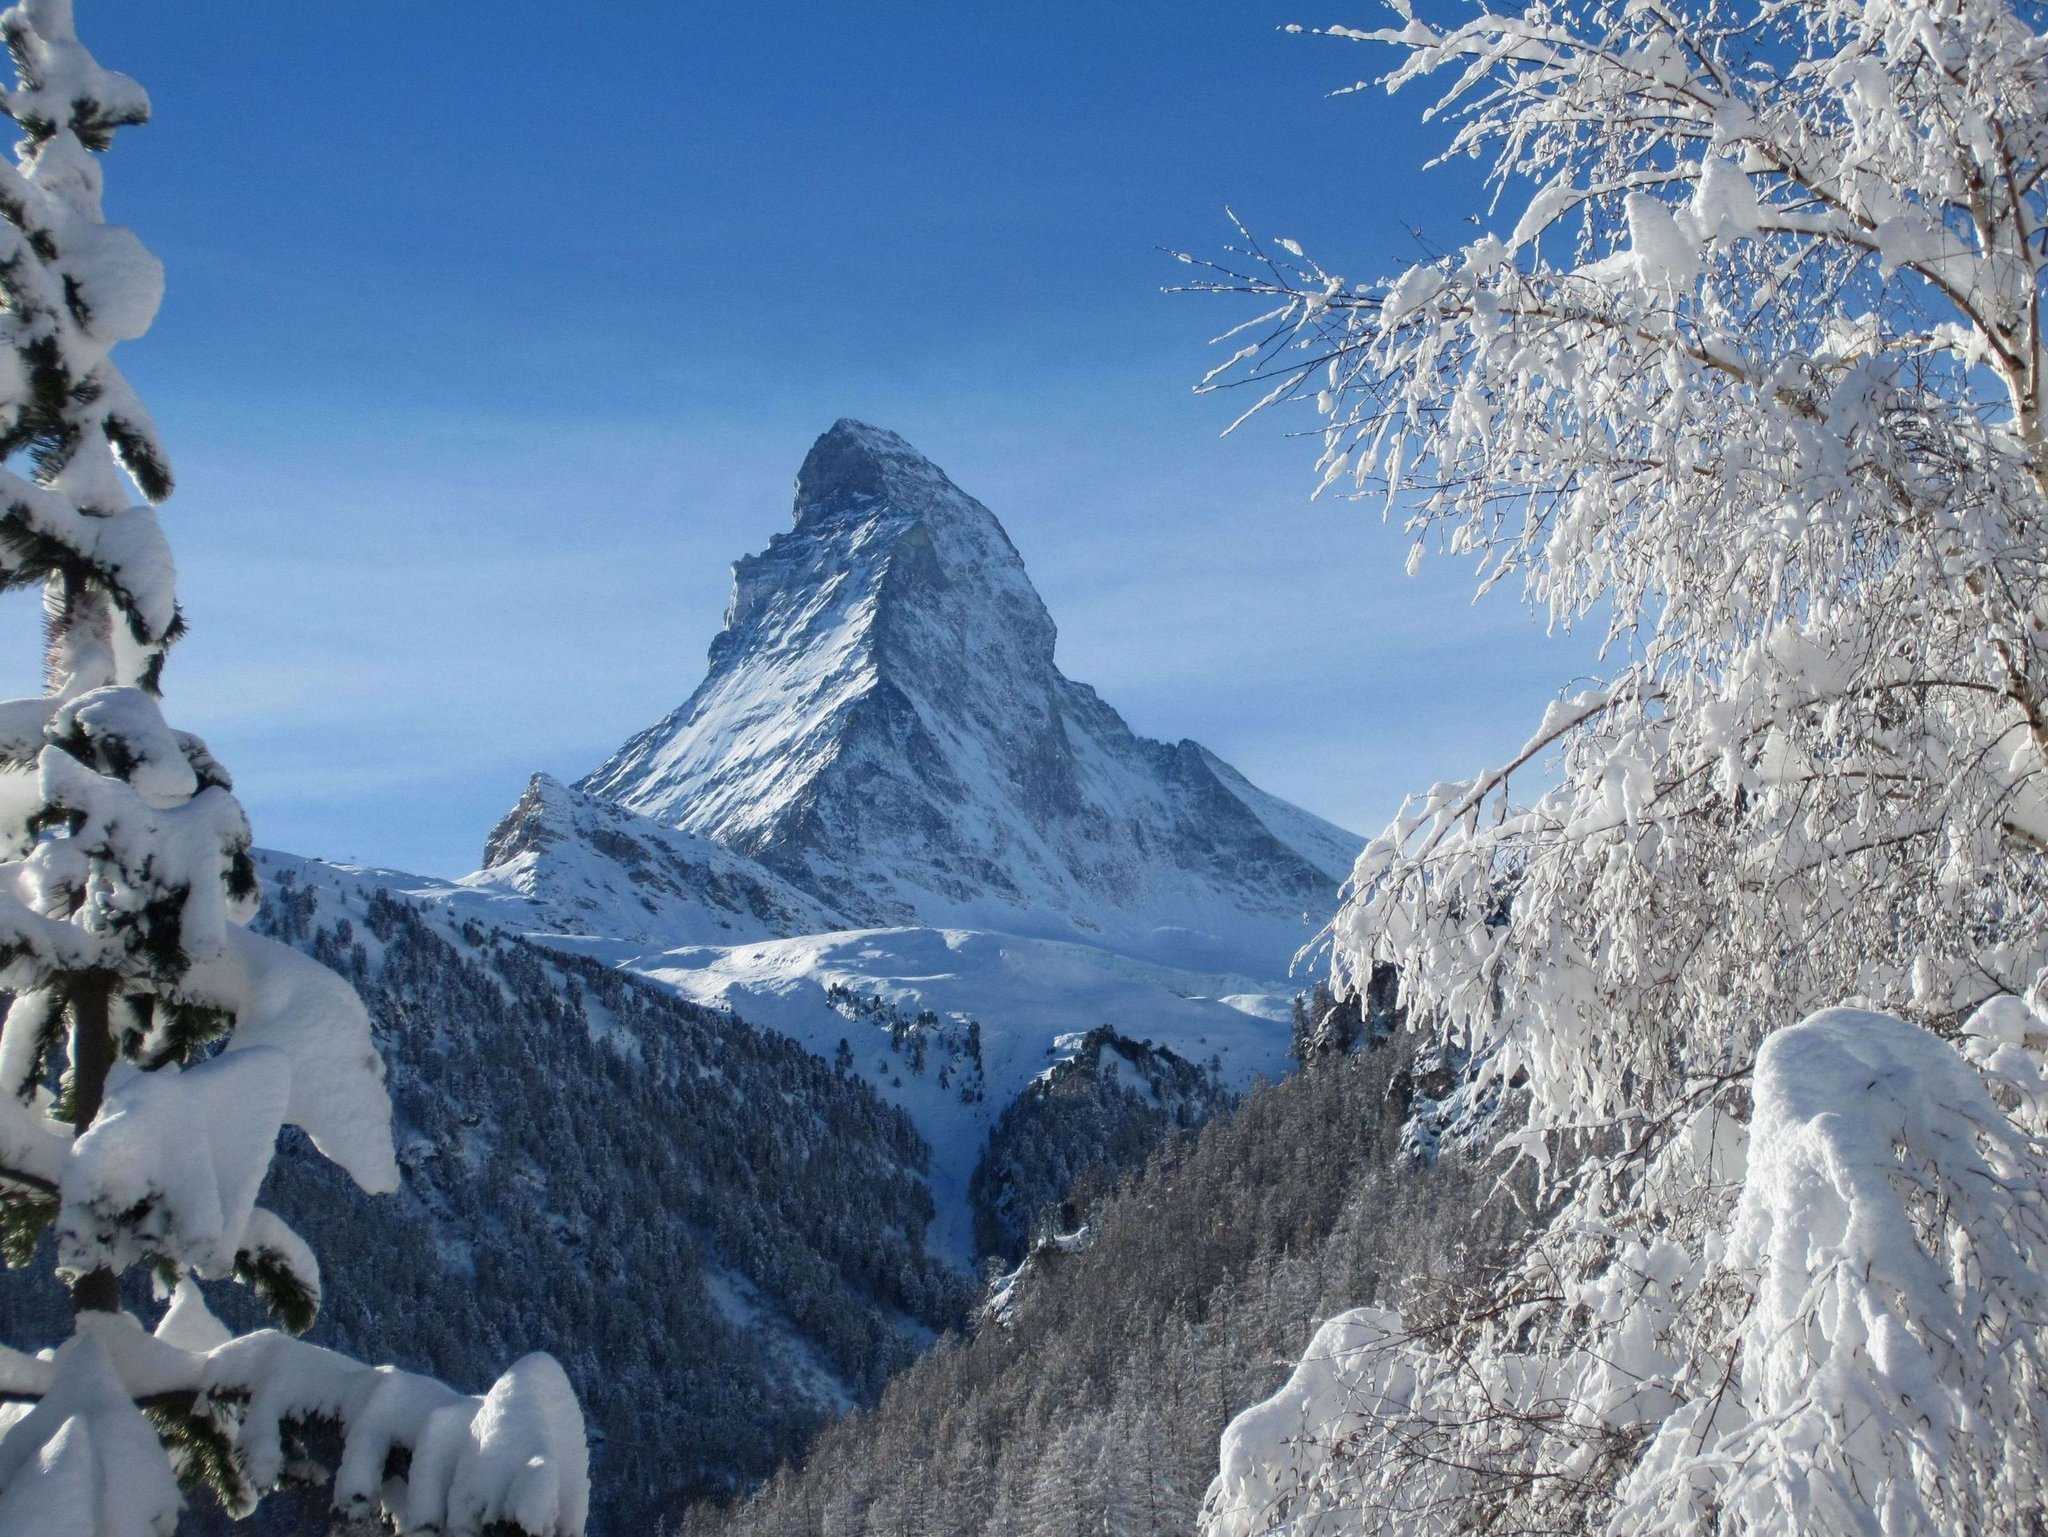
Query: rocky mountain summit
[[883, 727]]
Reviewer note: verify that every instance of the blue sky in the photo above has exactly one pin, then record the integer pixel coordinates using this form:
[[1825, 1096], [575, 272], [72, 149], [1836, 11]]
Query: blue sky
[[496, 331]]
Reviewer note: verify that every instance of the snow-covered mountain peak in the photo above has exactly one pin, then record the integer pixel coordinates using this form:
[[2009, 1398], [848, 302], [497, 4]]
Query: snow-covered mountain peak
[[882, 725], [531, 825], [853, 463], [879, 533]]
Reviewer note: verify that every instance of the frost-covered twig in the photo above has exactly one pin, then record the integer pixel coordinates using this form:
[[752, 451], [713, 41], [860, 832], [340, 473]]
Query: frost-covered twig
[[1752, 377]]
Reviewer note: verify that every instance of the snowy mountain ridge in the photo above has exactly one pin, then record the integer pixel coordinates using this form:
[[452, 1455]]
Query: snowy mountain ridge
[[587, 867], [883, 726]]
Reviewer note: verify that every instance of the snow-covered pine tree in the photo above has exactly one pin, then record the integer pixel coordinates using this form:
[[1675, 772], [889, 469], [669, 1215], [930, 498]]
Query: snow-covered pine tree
[[155, 1047], [1752, 375]]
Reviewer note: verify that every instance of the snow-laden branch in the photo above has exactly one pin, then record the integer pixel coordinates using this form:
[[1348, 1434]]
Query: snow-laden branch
[[514, 1455], [1884, 1266], [1744, 366]]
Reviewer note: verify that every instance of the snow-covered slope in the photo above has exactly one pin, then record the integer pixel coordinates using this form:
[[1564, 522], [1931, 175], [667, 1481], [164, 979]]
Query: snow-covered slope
[[883, 725], [949, 1025], [718, 1236], [998, 1011]]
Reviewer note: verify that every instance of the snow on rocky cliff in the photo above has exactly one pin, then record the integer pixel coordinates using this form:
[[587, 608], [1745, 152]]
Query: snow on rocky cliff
[[588, 868], [883, 726]]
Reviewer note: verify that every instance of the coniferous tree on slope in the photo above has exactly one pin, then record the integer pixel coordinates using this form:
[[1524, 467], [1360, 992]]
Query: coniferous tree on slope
[[155, 1047]]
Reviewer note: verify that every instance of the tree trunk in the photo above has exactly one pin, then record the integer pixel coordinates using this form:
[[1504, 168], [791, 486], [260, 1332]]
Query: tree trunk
[[90, 1002]]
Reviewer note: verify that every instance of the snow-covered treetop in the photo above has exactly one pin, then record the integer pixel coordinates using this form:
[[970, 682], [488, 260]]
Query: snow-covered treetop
[[1744, 365], [74, 287], [155, 1048], [1751, 376]]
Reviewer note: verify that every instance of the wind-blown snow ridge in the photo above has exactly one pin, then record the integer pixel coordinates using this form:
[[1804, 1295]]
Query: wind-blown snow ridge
[[883, 726]]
